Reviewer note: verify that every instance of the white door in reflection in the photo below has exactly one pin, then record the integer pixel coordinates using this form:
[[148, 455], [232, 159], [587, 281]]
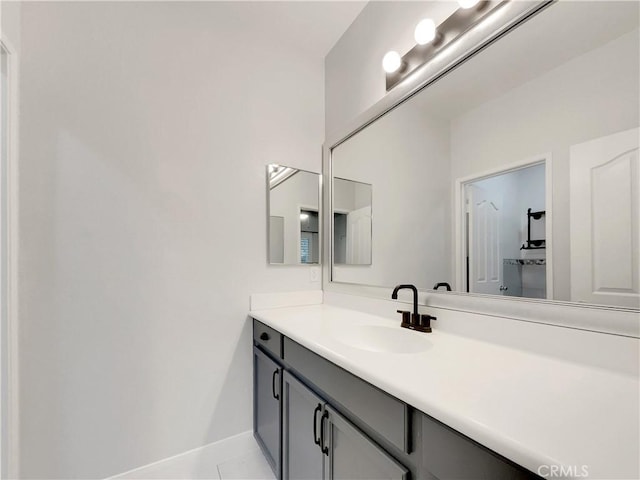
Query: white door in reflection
[[604, 184], [484, 209], [359, 236]]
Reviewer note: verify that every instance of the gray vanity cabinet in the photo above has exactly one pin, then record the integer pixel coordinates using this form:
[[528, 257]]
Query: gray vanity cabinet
[[267, 412], [318, 443], [315, 421], [301, 415], [350, 455]]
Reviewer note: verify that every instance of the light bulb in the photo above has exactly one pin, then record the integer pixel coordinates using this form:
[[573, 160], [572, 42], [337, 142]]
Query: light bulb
[[467, 3], [391, 62], [304, 216], [425, 31]]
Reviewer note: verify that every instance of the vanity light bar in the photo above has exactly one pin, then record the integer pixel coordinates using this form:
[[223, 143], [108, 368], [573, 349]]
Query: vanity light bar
[[448, 31]]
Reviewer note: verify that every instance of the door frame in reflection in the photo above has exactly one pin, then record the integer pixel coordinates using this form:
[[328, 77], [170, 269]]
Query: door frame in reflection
[[460, 217], [9, 404]]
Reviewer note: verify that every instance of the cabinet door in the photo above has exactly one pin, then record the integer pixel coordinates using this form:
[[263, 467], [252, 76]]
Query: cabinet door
[[267, 414], [301, 411], [353, 456], [448, 454]]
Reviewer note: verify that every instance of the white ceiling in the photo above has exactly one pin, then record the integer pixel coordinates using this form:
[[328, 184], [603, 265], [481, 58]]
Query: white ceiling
[[312, 26]]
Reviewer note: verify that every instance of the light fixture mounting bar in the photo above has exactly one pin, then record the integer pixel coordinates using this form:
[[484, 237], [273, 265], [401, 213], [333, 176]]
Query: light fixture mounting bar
[[448, 31]]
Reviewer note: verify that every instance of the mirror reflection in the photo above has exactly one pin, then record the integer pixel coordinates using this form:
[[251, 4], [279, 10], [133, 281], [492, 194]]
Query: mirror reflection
[[516, 174], [504, 233], [293, 223], [351, 222]]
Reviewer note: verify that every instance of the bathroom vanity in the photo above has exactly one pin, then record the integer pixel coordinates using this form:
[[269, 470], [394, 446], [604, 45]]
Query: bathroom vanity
[[314, 419], [340, 393]]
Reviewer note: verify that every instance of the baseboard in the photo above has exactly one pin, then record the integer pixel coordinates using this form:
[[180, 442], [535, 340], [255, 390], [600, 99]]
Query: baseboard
[[198, 463]]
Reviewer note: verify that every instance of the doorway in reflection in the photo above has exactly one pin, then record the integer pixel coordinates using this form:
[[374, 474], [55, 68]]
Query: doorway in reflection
[[505, 233], [309, 236]]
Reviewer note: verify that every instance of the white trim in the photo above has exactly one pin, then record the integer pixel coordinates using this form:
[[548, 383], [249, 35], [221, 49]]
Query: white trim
[[189, 464], [9, 385], [548, 225], [459, 244], [459, 208]]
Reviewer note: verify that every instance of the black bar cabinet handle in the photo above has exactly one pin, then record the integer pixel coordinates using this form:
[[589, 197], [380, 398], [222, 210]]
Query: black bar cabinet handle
[[324, 449], [273, 384], [316, 439]]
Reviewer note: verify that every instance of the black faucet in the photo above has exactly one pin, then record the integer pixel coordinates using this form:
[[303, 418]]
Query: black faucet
[[414, 321], [394, 295]]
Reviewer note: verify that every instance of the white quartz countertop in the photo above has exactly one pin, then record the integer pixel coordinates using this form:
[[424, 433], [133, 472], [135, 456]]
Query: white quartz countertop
[[536, 410]]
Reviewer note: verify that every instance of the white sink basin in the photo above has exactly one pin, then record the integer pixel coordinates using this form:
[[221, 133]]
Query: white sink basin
[[383, 339]]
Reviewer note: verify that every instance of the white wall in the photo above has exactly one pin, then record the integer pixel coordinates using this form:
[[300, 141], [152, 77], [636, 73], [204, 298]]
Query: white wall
[[593, 95], [146, 128], [410, 199], [344, 195], [351, 195]]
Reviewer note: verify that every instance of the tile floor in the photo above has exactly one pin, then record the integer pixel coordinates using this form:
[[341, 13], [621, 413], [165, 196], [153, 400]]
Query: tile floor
[[251, 466], [235, 458]]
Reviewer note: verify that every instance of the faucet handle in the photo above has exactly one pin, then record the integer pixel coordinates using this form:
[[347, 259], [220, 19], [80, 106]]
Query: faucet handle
[[425, 322], [406, 316]]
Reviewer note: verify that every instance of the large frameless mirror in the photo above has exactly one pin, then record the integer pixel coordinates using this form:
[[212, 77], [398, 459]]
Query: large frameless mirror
[[516, 173], [293, 216]]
